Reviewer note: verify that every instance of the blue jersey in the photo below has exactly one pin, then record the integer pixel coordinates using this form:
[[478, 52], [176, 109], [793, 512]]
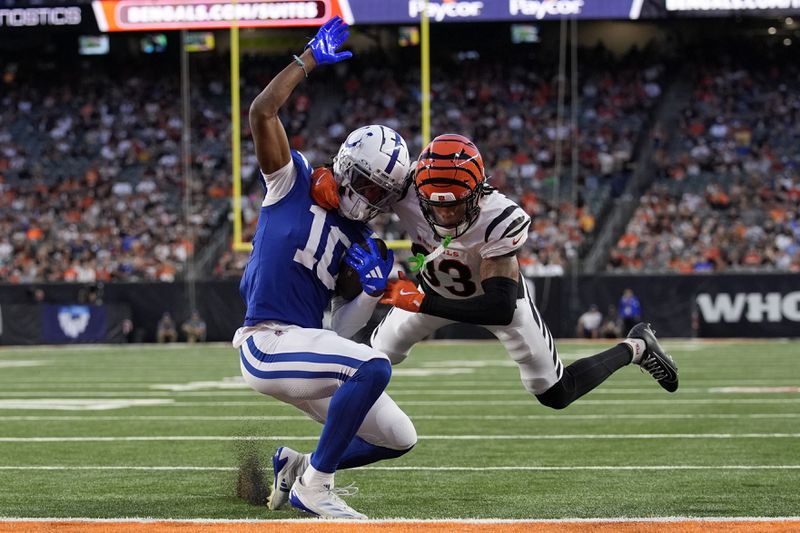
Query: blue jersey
[[297, 252]]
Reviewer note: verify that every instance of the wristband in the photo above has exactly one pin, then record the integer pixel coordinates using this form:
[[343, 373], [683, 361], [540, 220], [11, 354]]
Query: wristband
[[301, 64]]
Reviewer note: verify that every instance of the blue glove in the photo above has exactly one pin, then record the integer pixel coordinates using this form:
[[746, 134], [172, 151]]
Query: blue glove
[[330, 37], [373, 270]]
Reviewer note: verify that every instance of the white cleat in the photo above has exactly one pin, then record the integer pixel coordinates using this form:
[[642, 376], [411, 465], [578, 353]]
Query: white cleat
[[287, 465], [323, 501]]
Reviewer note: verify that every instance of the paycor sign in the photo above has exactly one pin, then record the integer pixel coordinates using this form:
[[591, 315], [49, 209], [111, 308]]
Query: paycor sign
[[438, 12], [544, 8], [754, 307]]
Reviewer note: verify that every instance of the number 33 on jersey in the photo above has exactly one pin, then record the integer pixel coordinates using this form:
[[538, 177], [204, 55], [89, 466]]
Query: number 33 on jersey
[[500, 229]]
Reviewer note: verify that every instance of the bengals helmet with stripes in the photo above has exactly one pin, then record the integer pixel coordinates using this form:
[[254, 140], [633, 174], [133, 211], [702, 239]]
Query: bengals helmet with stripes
[[449, 179]]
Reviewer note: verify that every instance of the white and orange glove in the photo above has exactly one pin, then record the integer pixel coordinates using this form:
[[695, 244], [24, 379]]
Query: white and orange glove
[[324, 190], [403, 293]]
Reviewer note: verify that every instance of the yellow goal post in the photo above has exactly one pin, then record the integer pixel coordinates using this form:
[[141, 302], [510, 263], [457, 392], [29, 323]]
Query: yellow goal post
[[240, 245]]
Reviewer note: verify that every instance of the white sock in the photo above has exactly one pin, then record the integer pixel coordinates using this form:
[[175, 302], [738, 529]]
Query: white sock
[[313, 477], [637, 347]]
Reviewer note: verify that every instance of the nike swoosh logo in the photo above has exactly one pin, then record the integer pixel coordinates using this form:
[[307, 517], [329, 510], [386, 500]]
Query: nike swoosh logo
[[407, 293], [515, 241]]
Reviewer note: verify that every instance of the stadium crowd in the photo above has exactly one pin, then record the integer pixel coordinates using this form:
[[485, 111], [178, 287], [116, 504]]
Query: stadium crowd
[[510, 111], [92, 185], [93, 189], [727, 196]]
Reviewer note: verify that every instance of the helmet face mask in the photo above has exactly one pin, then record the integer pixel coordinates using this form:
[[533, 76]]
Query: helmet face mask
[[371, 169], [450, 218], [449, 180]]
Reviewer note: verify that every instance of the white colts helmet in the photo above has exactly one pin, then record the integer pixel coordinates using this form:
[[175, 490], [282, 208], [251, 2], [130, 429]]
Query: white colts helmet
[[371, 169]]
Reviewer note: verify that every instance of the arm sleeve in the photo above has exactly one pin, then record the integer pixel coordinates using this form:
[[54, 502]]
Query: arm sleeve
[[493, 308], [279, 183], [349, 317], [506, 233]]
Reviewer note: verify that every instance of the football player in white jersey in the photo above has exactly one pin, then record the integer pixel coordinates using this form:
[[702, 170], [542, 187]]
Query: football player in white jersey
[[467, 236], [298, 252]]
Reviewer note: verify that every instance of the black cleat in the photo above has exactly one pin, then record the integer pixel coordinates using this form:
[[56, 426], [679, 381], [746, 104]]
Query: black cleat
[[655, 360]]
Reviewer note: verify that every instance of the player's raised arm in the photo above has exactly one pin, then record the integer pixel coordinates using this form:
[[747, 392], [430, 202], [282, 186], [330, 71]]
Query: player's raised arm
[[269, 137]]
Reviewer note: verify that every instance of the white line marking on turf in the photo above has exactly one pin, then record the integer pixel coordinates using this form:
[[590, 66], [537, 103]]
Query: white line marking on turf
[[223, 391], [554, 417], [519, 468], [61, 404], [532, 401], [19, 364], [274, 523], [264, 402], [422, 384], [755, 390], [236, 382], [431, 372], [191, 438]]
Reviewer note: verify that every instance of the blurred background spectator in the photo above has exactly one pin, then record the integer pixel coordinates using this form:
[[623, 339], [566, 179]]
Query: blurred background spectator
[[589, 323], [165, 330], [194, 328]]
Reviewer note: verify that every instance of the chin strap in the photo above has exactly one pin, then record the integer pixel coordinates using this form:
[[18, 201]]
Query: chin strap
[[418, 261]]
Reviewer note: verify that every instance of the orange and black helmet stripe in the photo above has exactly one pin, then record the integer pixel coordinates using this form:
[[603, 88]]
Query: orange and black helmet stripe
[[450, 163]]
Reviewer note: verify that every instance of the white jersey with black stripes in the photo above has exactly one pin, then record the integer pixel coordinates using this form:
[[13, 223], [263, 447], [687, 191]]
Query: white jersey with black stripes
[[501, 228]]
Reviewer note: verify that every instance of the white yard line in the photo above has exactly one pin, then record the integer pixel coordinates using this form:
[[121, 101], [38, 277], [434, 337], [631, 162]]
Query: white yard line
[[423, 383], [488, 521], [263, 401], [246, 391], [586, 436], [265, 418], [519, 468], [582, 401]]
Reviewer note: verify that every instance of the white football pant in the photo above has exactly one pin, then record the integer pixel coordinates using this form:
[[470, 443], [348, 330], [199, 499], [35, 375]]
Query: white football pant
[[527, 340], [304, 367]]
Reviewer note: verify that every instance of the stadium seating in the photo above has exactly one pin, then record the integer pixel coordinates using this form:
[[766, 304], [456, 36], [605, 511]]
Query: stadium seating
[[728, 193], [510, 112], [95, 184]]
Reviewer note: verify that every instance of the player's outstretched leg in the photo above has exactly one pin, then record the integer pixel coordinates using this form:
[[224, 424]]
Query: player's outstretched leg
[[654, 359], [287, 465]]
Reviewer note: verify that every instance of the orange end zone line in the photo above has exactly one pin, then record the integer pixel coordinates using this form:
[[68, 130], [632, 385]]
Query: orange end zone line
[[312, 526]]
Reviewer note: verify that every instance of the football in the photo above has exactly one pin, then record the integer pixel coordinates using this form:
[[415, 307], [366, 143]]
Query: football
[[348, 284]]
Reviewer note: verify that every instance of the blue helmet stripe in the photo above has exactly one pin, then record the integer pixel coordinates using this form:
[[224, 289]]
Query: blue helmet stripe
[[395, 152]]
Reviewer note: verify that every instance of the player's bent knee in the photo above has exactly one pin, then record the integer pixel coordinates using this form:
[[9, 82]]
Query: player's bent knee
[[536, 386], [405, 435], [377, 371], [395, 356], [556, 397]]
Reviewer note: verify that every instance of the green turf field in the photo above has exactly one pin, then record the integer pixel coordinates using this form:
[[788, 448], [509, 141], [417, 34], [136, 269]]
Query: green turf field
[[726, 444]]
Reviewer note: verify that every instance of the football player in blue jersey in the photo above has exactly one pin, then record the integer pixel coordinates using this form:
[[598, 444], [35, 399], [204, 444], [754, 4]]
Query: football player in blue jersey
[[466, 236], [290, 279]]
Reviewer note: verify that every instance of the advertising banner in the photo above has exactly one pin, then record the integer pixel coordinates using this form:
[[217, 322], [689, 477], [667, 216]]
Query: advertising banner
[[147, 15], [732, 305], [160, 15], [73, 323], [63, 16], [63, 324], [767, 308], [408, 11]]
